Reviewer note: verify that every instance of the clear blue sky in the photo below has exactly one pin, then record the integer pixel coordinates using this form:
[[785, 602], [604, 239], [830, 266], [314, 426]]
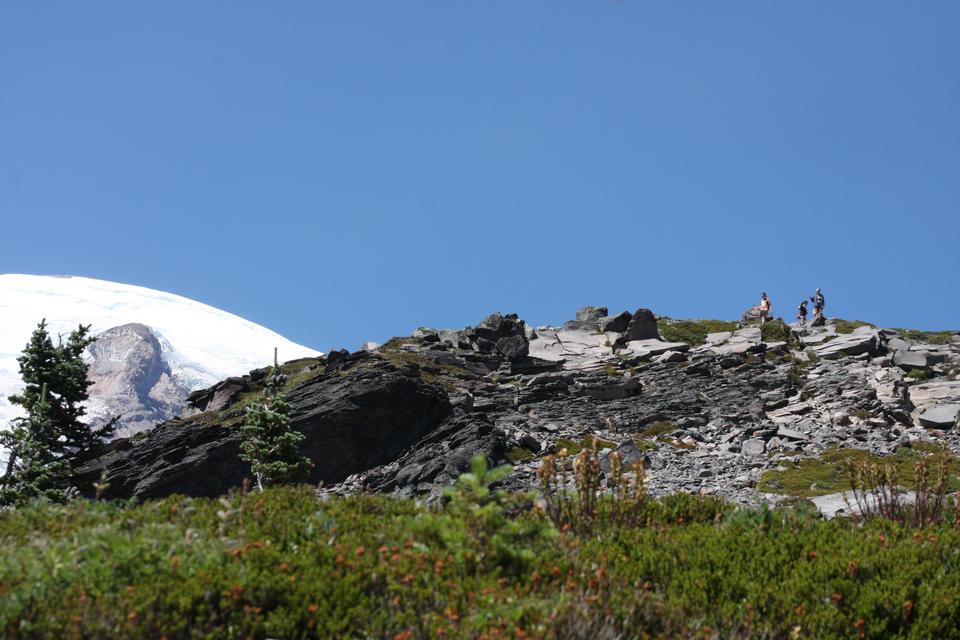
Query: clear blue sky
[[350, 170]]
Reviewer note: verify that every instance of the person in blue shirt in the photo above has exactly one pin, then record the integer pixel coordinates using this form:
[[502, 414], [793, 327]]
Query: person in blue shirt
[[817, 300]]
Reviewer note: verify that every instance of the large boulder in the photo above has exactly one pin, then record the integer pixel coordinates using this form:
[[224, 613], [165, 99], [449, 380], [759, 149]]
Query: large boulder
[[941, 416], [750, 316], [851, 344], [642, 326], [908, 360], [587, 318]]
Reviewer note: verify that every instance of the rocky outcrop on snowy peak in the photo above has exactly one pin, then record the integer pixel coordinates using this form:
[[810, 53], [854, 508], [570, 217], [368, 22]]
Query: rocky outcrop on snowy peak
[[132, 381]]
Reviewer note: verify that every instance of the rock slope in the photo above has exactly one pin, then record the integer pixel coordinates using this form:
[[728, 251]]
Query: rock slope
[[407, 416]]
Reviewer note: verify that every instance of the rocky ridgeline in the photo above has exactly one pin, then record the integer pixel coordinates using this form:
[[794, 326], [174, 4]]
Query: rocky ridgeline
[[407, 416]]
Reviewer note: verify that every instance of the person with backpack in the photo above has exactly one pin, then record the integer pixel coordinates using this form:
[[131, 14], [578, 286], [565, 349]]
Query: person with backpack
[[817, 300], [765, 307], [802, 313]]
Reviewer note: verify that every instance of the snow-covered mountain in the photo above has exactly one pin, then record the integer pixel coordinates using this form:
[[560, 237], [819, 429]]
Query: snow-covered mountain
[[156, 347]]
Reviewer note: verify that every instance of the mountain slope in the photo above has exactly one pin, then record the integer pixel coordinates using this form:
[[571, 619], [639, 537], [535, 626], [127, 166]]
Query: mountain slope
[[181, 345]]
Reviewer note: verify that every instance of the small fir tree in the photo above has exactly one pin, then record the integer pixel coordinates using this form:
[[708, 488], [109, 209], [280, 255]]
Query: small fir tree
[[269, 443]]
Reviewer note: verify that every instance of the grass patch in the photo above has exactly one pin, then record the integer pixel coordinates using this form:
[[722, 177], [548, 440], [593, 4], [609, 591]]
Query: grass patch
[[693, 332], [919, 374], [848, 326], [644, 444], [430, 371], [927, 337], [812, 477]]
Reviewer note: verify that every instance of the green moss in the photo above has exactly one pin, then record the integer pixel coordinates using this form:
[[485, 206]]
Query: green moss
[[658, 428], [693, 332], [519, 454], [848, 326], [829, 473], [919, 374]]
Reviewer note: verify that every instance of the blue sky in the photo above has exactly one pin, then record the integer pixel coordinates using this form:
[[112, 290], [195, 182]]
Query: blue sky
[[350, 170]]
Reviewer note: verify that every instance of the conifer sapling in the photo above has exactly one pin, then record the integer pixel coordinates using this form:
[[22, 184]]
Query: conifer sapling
[[270, 444]]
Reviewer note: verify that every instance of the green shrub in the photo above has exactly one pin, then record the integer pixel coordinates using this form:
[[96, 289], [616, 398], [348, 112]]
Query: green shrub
[[693, 332], [776, 330], [919, 374], [284, 564], [476, 528]]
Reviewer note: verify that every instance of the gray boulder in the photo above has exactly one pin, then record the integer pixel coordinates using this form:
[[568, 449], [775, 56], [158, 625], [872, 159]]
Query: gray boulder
[[908, 360], [615, 324], [753, 447], [591, 314], [941, 416], [588, 318], [642, 326]]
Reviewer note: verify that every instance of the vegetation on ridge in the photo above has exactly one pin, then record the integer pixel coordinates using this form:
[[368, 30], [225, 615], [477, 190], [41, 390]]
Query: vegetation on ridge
[[283, 563], [693, 332]]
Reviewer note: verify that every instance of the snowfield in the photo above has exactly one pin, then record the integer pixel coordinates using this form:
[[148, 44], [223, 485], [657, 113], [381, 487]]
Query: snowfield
[[201, 344]]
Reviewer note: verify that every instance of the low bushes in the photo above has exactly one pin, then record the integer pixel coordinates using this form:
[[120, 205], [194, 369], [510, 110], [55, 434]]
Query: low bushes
[[283, 564]]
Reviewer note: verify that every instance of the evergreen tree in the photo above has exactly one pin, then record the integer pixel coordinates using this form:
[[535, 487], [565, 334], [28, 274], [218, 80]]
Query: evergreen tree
[[42, 445], [269, 444], [34, 470]]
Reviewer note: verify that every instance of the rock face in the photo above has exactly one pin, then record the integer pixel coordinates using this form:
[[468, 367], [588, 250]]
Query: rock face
[[356, 414], [407, 416], [132, 380]]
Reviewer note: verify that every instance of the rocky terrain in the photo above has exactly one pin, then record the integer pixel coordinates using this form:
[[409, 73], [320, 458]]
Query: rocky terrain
[[711, 407]]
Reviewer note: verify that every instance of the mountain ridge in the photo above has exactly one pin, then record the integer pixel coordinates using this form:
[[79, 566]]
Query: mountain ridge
[[718, 414]]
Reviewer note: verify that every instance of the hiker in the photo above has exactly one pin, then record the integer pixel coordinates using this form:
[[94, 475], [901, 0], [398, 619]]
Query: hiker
[[817, 300], [765, 307], [802, 313]]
